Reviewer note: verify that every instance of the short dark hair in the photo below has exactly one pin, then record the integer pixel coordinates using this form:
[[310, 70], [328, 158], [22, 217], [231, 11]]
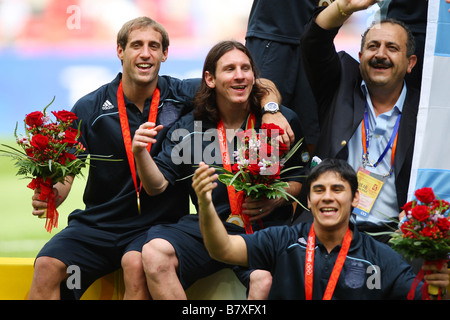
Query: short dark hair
[[338, 166], [410, 42], [205, 105]]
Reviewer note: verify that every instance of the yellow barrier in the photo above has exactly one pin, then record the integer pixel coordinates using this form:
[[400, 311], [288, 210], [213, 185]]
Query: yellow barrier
[[16, 275], [15, 278]]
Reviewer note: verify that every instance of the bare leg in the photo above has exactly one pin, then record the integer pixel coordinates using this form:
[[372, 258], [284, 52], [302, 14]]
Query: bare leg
[[134, 277], [48, 275], [160, 266]]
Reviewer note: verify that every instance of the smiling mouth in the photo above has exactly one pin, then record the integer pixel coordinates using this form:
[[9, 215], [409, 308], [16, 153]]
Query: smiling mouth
[[144, 66], [328, 211], [238, 87]]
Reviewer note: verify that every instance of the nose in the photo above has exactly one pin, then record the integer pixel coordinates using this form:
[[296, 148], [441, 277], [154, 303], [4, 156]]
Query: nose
[[239, 73], [381, 52], [327, 195], [145, 52]]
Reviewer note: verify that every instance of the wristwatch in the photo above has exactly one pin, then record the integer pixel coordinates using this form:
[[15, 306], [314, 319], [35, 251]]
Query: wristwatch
[[271, 107]]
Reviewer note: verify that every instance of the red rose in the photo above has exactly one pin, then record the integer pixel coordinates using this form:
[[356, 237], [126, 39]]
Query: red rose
[[34, 119], [66, 157], [64, 115], [70, 136], [425, 195], [272, 128], [39, 141], [283, 148], [407, 207], [30, 152], [254, 169], [420, 213], [443, 224], [428, 232]]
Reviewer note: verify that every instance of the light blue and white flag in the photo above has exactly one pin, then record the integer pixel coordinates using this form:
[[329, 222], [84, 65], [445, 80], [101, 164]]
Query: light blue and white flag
[[431, 162]]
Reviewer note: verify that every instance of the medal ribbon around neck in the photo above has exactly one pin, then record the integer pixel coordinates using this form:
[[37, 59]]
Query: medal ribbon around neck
[[309, 264], [127, 135], [235, 203]]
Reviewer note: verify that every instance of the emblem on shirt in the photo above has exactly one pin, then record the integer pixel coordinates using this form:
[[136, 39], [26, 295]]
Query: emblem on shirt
[[355, 274], [302, 241], [107, 105]]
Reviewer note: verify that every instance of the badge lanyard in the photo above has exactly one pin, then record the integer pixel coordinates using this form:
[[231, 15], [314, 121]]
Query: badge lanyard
[[309, 264], [127, 135], [232, 196], [392, 142]]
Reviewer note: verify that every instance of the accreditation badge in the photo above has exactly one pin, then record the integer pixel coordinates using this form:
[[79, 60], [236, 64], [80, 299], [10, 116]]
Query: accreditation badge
[[235, 219], [369, 187]]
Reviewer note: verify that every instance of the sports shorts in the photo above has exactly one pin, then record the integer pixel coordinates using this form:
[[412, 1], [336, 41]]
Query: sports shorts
[[96, 252], [193, 258]]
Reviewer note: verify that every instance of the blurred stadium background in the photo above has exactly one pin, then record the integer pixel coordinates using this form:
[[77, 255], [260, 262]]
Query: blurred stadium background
[[67, 48]]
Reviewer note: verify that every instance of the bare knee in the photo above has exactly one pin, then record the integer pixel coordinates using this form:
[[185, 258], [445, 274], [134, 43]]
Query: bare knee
[[48, 274], [51, 268], [134, 277], [132, 262], [158, 256], [260, 284]]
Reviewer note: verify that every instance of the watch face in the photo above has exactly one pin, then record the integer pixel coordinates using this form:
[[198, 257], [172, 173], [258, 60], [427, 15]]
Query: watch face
[[271, 107]]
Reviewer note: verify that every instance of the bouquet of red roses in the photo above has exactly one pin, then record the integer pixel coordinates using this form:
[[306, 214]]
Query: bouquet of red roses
[[425, 233], [260, 159], [49, 154]]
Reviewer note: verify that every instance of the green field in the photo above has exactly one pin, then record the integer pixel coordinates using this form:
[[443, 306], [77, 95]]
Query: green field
[[21, 233]]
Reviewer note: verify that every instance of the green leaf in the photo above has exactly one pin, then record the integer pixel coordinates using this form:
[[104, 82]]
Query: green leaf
[[293, 150]]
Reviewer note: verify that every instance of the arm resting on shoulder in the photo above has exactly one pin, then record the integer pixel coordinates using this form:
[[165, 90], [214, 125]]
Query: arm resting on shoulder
[[273, 95]]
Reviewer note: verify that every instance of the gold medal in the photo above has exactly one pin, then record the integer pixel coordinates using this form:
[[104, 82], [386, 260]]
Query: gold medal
[[138, 200], [235, 219]]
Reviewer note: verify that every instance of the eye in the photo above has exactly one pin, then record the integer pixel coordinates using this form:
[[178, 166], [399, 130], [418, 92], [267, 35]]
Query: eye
[[155, 46], [318, 189], [393, 48], [338, 188]]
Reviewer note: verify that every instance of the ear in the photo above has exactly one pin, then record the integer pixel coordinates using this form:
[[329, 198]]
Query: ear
[[355, 201], [412, 60], [120, 52], [210, 80], [165, 55]]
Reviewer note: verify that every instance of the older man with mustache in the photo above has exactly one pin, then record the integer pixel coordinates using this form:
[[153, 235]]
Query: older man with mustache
[[367, 112]]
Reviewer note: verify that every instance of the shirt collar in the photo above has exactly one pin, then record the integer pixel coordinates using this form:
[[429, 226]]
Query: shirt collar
[[400, 101]]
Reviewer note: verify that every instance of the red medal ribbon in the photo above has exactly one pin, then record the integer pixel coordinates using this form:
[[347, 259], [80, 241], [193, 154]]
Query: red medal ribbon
[[236, 198], [309, 264], [127, 135], [419, 278]]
